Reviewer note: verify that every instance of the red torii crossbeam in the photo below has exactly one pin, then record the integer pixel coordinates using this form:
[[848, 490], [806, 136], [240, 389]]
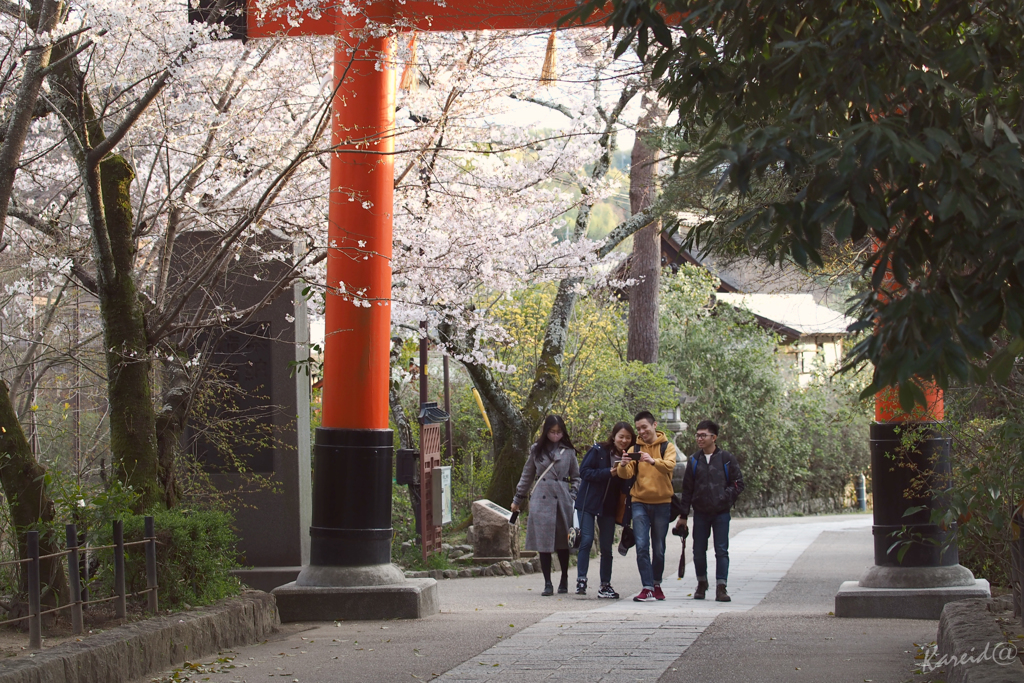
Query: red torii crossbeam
[[350, 574]]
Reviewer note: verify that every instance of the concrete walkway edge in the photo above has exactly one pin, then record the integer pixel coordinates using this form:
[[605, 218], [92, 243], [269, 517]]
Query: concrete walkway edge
[[134, 650]]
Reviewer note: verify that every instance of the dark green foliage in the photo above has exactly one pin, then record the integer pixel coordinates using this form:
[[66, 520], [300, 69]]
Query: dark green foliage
[[986, 424], [890, 124], [195, 553]]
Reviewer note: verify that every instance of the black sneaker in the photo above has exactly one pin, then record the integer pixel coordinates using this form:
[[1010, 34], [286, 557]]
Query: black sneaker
[[548, 589], [563, 585], [607, 592], [581, 585]]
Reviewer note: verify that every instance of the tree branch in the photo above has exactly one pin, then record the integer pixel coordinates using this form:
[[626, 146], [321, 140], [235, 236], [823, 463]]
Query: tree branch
[[626, 228], [560, 108], [97, 153], [12, 9], [48, 228]]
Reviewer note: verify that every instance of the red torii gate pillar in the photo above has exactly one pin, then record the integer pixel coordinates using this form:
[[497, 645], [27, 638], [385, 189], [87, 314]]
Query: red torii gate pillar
[[350, 574], [916, 581]]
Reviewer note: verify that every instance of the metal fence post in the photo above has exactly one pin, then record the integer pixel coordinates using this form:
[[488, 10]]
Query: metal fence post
[[35, 622], [151, 565], [76, 580], [120, 606], [83, 565]]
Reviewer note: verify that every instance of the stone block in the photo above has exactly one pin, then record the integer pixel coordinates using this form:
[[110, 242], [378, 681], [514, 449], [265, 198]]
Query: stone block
[[507, 568], [465, 573], [853, 600], [969, 633], [412, 599], [493, 536], [527, 567], [487, 571]]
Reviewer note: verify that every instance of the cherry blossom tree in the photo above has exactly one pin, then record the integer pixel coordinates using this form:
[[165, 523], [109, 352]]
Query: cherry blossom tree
[[484, 210]]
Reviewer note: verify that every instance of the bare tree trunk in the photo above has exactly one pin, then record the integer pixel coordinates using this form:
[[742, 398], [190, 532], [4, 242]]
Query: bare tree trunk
[[397, 409], [107, 179], [133, 442], [23, 481], [645, 262], [171, 418]]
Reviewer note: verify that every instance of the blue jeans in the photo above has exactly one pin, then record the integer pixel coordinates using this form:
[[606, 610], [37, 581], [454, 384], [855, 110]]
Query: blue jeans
[[650, 524], [605, 525], [703, 525]]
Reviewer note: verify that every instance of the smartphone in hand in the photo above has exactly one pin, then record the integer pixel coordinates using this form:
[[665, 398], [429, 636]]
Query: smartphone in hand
[[514, 517]]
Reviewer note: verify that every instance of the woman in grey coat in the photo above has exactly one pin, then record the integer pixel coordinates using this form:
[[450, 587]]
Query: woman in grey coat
[[552, 463]]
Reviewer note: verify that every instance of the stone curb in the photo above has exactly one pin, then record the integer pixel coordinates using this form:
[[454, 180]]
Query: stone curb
[[503, 568], [968, 632], [132, 651]]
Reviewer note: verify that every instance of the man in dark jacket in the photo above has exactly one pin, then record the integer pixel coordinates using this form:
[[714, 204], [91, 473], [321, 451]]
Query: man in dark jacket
[[711, 485]]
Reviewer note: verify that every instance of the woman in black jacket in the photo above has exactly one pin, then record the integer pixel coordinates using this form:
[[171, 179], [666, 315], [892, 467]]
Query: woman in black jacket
[[596, 503]]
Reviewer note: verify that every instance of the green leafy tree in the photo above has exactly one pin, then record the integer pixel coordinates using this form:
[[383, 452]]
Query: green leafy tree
[[795, 444], [891, 125]]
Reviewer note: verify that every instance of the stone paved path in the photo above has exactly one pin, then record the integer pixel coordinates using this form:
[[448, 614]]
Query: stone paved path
[[624, 641]]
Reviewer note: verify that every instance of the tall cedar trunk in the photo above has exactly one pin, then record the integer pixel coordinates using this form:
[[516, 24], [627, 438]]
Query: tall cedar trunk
[[645, 262], [23, 481], [133, 442]]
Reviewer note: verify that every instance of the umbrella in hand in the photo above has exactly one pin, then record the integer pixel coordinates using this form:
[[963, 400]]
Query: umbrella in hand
[[682, 533]]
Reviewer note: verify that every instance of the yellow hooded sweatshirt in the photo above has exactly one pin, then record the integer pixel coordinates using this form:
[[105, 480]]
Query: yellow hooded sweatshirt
[[654, 481]]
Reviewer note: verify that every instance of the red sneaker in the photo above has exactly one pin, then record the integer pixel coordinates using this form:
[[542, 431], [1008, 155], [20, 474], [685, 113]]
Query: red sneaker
[[646, 595], [658, 595]]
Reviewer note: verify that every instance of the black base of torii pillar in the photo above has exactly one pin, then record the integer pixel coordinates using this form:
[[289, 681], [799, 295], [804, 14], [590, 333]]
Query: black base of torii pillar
[[350, 575], [909, 473]]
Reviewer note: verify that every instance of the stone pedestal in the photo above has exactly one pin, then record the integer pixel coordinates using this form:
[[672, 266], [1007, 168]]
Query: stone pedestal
[[354, 593], [412, 599], [493, 538], [854, 600]]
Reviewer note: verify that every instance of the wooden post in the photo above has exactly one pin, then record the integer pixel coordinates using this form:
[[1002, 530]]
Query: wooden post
[[35, 622], [424, 382], [151, 566], [448, 409], [77, 625], [120, 606]]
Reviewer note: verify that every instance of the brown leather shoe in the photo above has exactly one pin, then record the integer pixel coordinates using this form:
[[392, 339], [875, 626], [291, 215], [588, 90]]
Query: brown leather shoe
[[702, 587], [721, 595]]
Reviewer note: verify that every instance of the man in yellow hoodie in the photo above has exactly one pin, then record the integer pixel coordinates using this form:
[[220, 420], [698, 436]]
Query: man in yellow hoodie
[[651, 463]]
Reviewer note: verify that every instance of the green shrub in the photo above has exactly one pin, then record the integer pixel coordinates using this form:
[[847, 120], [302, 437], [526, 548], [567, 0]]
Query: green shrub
[[195, 553]]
